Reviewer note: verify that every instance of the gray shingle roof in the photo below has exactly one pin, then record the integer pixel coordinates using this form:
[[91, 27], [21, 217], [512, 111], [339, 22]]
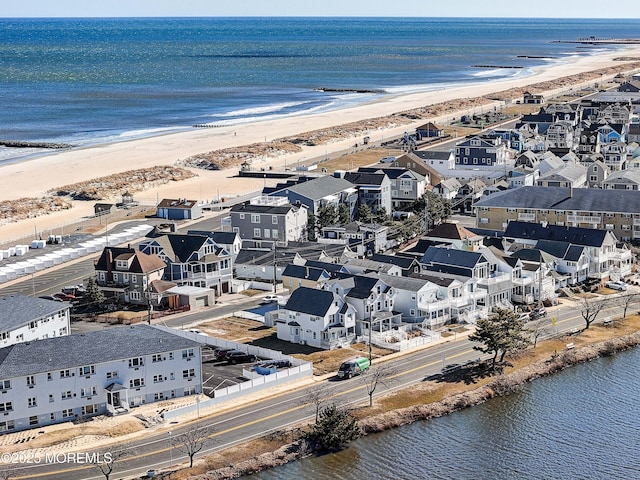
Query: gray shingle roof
[[578, 236], [310, 301], [558, 198], [320, 187], [18, 310], [89, 348]]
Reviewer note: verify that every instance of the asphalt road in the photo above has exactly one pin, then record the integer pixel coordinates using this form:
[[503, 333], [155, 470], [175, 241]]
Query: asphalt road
[[259, 417]]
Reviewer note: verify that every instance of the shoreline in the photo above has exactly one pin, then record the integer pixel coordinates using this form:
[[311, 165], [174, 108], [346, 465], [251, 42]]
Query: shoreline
[[498, 386], [35, 176]]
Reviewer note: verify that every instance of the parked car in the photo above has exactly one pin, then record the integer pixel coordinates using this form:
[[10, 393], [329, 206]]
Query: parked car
[[525, 317], [269, 299], [65, 297], [616, 285], [76, 290], [537, 313], [238, 356], [51, 297], [353, 367], [221, 353]]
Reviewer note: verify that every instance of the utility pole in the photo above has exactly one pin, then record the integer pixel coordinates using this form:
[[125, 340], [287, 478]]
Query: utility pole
[[275, 266]]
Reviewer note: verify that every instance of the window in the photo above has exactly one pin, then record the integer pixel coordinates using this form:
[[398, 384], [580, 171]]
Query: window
[[113, 374], [274, 233], [33, 421], [33, 324], [255, 218], [158, 378], [136, 362], [67, 413], [189, 391], [256, 232], [87, 370], [158, 396], [189, 373], [188, 353], [89, 409], [136, 382], [51, 400], [67, 395], [5, 384], [88, 391], [242, 216], [6, 407], [267, 233], [65, 373], [32, 402], [134, 295], [4, 426], [157, 357], [4, 335], [274, 219], [31, 381]]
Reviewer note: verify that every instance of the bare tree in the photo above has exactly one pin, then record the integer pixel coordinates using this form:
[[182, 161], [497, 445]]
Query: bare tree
[[106, 462], [625, 301], [538, 328], [378, 375], [193, 441], [590, 309], [318, 397]]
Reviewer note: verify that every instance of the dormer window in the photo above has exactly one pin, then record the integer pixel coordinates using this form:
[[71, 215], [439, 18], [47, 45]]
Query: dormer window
[[121, 264]]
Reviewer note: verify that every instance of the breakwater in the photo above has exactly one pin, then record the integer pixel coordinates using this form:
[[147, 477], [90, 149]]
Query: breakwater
[[24, 144]]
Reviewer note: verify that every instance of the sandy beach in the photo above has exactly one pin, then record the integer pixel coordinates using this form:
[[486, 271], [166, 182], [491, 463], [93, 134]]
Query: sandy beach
[[34, 177]]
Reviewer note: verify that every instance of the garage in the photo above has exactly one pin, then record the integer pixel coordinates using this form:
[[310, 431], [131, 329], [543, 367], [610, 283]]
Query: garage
[[194, 297]]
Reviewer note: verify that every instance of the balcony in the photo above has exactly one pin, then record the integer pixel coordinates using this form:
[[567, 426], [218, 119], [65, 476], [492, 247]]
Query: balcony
[[594, 220], [527, 217]]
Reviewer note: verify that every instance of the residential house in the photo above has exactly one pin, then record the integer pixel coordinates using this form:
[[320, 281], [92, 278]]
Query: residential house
[[588, 139], [411, 295], [623, 180], [568, 175], [363, 238], [482, 151], [229, 241], [317, 192], [296, 276], [448, 188], [407, 263], [615, 155], [632, 86], [532, 99], [195, 260], [611, 133], [100, 209], [368, 295], [407, 186], [318, 318], [522, 177], [105, 371], [559, 137], [439, 160], [538, 277], [126, 274], [179, 209], [571, 260], [606, 258], [362, 266], [429, 130], [513, 138], [23, 319], [414, 162], [574, 207], [266, 220], [597, 172], [374, 190], [455, 236]]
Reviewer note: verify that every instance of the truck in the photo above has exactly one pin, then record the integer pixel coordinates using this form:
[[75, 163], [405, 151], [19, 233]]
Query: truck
[[353, 367]]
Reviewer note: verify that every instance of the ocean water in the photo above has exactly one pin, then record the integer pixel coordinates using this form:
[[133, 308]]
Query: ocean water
[[86, 81]]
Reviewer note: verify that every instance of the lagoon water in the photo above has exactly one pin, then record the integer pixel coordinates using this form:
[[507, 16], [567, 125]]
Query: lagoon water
[[581, 423], [83, 81]]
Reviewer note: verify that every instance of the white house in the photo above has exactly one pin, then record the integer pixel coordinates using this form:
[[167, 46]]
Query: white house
[[319, 318], [102, 372], [23, 319]]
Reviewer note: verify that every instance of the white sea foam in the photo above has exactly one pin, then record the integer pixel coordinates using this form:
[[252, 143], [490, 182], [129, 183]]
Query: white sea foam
[[257, 110]]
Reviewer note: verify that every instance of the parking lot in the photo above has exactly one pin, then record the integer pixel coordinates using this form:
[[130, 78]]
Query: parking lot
[[220, 374]]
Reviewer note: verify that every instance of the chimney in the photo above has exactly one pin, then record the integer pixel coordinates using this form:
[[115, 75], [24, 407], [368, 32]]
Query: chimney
[[109, 263]]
